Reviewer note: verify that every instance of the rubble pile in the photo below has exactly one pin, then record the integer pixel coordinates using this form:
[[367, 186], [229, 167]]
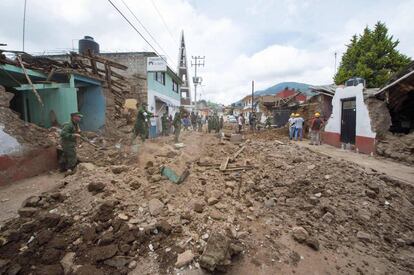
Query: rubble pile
[[397, 146], [26, 133], [238, 202]]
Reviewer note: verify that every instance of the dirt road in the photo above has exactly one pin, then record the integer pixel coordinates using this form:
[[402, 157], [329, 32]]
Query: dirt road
[[274, 208], [12, 195], [397, 170]]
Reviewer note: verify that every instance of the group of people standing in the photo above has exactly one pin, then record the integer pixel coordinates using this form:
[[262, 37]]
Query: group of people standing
[[145, 124], [296, 125]]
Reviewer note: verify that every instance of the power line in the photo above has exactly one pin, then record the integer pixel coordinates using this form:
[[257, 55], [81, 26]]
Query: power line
[[24, 22], [147, 31], [132, 25], [162, 19]]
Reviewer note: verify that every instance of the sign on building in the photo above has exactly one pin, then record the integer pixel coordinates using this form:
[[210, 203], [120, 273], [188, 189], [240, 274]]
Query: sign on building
[[156, 64]]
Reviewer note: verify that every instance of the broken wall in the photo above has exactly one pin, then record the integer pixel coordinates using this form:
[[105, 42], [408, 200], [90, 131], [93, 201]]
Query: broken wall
[[396, 146], [379, 115]]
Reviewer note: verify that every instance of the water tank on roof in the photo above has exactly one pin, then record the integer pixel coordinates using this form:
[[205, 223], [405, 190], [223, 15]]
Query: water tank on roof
[[88, 43]]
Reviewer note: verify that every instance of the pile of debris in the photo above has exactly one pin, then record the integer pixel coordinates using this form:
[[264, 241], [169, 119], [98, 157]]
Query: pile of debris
[[397, 146], [241, 200], [27, 134]]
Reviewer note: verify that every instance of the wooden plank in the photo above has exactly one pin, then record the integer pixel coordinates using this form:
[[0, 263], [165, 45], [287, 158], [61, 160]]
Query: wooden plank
[[105, 60], [223, 166], [237, 169], [238, 153], [30, 81], [51, 73]]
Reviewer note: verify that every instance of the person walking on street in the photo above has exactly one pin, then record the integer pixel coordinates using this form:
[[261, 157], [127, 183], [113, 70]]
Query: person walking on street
[[268, 122], [164, 124], [209, 124], [291, 124], [221, 123], [240, 122], [69, 135], [193, 119], [177, 125], [298, 127], [253, 121], [170, 124], [141, 123], [199, 123], [315, 127]]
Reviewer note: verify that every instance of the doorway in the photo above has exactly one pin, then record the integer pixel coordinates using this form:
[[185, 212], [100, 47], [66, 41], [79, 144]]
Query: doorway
[[348, 120]]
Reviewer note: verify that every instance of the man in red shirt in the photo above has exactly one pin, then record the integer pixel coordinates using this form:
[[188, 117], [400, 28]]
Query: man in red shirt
[[315, 127]]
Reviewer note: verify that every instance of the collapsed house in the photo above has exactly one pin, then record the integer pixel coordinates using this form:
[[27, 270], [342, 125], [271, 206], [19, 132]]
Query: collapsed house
[[397, 136], [39, 93]]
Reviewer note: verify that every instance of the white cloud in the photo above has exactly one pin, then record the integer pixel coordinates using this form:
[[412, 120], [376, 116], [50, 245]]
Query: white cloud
[[268, 40]]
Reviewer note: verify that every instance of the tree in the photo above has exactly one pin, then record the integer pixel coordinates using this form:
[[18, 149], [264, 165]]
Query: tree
[[372, 56]]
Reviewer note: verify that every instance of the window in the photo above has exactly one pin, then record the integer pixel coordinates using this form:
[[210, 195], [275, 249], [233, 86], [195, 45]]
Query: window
[[160, 77], [175, 87]]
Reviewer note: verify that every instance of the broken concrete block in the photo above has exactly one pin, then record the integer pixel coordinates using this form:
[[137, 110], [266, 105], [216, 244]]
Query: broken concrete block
[[216, 255], [27, 212], [236, 138], [155, 207], [184, 258], [173, 176], [300, 234]]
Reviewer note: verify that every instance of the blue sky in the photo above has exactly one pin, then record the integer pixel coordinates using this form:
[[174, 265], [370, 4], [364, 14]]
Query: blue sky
[[268, 41]]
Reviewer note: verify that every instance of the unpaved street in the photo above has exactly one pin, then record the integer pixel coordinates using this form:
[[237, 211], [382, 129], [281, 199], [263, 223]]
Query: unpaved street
[[12, 195], [396, 170], [286, 210]]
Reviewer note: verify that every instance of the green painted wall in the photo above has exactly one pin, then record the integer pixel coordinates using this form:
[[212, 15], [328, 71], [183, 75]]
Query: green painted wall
[[166, 89], [61, 101]]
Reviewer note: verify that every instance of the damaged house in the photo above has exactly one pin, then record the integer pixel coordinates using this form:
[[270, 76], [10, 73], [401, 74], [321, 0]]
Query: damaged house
[[397, 128], [375, 120], [39, 93]]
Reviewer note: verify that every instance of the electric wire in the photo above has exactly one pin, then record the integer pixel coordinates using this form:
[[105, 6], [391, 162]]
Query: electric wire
[[146, 30], [133, 26], [163, 21]]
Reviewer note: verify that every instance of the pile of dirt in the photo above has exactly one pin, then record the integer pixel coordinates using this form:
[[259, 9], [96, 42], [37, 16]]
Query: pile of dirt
[[122, 218], [27, 134]]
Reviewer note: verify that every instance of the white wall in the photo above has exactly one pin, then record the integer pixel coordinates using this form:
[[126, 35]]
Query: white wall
[[8, 144], [363, 121]]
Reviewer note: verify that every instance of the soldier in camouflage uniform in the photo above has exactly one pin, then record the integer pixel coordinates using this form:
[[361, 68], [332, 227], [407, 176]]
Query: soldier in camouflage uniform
[[164, 124], [177, 125], [70, 133], [216, 123], [221, 123], [199, 123], [141, 123]]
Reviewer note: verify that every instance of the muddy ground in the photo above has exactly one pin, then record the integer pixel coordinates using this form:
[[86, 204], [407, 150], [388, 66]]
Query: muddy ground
[[276, 208]]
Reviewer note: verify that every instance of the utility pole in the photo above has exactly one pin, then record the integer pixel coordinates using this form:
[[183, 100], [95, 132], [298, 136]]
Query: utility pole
[[24, 21], [335, 64], [198, 62], [252, 94]]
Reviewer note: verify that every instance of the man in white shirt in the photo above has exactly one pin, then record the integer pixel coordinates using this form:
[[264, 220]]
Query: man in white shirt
[[298, 127], [240, 122]]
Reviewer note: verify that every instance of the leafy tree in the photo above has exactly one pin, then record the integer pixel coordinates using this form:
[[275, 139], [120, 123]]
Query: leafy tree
[[372, 56]]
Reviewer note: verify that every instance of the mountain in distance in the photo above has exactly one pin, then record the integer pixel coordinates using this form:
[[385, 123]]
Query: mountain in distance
[[304, 88]]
